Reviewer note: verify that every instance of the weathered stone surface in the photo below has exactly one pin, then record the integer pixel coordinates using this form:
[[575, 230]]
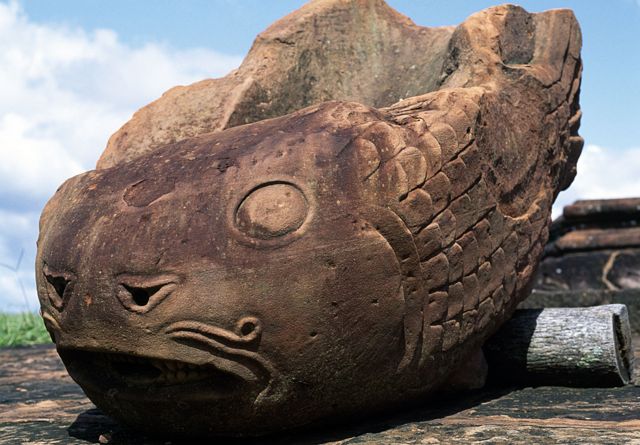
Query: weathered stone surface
[[595, 245], [593, 257], [311, 266], [619, 212], [41, 405], [361, 51]]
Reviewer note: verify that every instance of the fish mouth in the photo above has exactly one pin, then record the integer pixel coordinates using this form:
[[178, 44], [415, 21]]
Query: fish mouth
[[137, 374], [226, 363], [235, 352]]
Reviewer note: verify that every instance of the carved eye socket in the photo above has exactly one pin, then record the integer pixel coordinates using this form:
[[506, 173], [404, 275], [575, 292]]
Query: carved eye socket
[[142, 293], [272, 210], [58, 287]]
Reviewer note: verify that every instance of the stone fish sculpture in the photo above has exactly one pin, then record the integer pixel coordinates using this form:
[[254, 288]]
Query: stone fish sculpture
[[335, 259]]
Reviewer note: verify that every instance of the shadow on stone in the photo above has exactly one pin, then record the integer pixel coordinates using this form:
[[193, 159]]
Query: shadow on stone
[[92, 424], [500, 346]]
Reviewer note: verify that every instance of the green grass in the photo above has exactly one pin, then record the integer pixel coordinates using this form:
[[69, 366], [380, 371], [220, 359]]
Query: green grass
[[22, 329]]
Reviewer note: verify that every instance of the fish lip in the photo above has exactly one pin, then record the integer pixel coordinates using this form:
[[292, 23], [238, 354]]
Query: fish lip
[[239, 339], [234, 351], [140, 376], [243, 363]]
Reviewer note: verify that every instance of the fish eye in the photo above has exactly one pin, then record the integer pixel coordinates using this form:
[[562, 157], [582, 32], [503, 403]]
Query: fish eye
[[272, 210]]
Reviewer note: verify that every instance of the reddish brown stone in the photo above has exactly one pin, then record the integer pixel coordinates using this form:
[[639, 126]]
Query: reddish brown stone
[[324, 51], [284, 272]]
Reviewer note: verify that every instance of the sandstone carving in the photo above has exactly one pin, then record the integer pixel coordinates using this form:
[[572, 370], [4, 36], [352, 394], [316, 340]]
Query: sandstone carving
[[345, 255]]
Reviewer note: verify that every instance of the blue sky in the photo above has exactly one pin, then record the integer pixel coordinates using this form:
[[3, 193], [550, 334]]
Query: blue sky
[[73, 71], [611, 39]]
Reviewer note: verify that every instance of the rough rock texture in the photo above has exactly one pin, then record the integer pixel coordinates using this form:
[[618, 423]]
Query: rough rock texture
[[361, 51], [595, 245], [593, 257], [335, 260], [42, 405]]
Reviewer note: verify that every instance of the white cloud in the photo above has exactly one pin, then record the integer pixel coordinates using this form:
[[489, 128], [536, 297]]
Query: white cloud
[[17, 245], [602, 174], [63, 91], [30, 163]]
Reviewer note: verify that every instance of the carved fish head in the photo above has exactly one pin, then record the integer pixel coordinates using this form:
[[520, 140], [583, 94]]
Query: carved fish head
[[335, 260], [223, 275]]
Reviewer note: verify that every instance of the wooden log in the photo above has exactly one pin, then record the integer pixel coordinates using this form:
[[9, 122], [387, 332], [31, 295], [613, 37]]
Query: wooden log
[[588, 347], [539, 299]]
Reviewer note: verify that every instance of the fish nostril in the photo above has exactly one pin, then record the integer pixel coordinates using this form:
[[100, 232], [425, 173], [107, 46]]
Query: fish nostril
[[247, 328], [59, 284], [142, 295]]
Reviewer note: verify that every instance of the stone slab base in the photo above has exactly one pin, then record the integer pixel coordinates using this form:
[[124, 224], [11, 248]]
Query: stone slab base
[[39, 404]]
